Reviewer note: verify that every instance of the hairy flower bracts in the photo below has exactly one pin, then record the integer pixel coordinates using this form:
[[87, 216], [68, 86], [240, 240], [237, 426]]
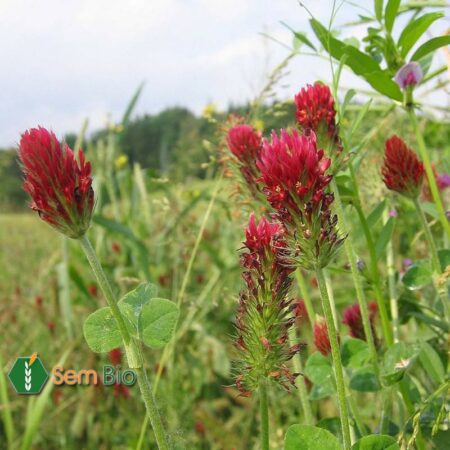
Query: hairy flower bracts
[[315, 112], [294, 175], [352, 318], [402, 171], [264, 313], [58, 184], [321, 338], [244, 142]]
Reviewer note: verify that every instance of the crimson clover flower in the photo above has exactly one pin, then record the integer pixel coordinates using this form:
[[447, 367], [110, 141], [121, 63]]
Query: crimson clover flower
[[402, 171], [264, 312], [245, 142], [60, 186], [353, 319], [300, 311], [294, 176], [115, 356], [321, 338], [315, 111]]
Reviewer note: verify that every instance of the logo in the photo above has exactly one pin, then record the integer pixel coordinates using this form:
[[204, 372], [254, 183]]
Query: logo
[[28, 375]]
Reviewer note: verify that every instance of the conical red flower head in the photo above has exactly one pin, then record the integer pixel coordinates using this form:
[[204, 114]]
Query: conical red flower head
[[293, 170], [353, 319], [115, 356], [244, 142], [260, 236], [402, 171], [315, 111], [321, 338], [264, 314], [58, 184]]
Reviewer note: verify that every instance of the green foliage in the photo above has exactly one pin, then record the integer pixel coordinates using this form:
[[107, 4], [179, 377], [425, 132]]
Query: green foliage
[[418, 275], [384, 237], [101, 331], [376, 442], [390, 13], [430, 46], [414, 30], [397, 360], [364, 380], [360, 63], [147, 318], [158, 320], [355, 353], [310, 438], [132, 304]]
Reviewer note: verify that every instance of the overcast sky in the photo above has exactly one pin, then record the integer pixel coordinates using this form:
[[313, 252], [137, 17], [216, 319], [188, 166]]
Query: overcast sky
[[64, 60]]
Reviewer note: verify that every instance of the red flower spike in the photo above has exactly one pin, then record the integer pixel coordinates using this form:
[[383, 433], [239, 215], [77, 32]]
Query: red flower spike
[[261, 235], [315, 112], [58, 184], [293, 170], [244, 142], [115, 356], [353, 319], [315, 108], [263, 343], [321, 338], [402, 171], [294, 176], [300, 312], [121, 390]]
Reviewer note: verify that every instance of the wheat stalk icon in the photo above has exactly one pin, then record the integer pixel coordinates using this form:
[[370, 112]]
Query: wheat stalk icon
[[28, 365]]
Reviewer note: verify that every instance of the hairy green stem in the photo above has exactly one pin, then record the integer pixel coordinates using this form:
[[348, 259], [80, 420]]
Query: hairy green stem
[[392, 291], [434, 256], [351, 256], [264, 413], [429, 237], [64, 288], [331, 296], [423, 152], [134, 356], [300, 382], [336, 355]]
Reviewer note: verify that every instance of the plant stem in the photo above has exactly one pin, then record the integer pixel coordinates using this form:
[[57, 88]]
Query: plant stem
[[264, 412], [392, 291], [105, 286], [64, 288], [336, 355], [426, 229], [429, 171], [385, 324], [434, 256], [300, 382], [331, 296], [134, 356], [351, 256]]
